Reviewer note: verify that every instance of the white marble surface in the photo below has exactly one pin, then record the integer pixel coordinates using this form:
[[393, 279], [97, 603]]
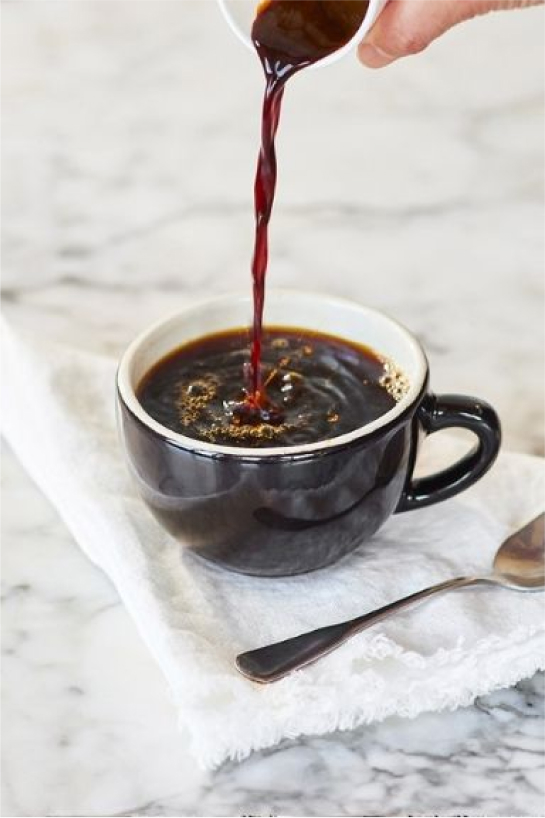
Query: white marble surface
[[129, 148]]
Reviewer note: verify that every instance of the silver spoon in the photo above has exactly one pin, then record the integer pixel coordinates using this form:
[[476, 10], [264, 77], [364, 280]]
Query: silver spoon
[[519, 564]]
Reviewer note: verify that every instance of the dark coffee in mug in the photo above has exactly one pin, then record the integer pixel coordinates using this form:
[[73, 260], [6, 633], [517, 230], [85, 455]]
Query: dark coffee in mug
[[315, 386], [273, 510]]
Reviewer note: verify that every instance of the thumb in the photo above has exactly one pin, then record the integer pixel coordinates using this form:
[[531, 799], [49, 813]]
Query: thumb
[[407, 26]]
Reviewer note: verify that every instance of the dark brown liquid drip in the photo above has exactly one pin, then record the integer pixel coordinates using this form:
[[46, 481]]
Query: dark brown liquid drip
[[320, 386], [288, 36]]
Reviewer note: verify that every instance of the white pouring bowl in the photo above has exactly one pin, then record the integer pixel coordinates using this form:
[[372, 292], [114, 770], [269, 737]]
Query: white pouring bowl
[[240, 15]]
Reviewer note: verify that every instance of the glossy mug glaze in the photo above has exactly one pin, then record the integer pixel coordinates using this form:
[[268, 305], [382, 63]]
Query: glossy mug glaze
[[286, 510]]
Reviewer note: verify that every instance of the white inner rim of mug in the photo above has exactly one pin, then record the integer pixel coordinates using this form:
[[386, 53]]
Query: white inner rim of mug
[[288, 308]]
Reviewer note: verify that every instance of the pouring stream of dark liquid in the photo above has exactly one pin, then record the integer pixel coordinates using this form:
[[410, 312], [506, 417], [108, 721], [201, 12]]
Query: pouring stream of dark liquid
[[288, 35]]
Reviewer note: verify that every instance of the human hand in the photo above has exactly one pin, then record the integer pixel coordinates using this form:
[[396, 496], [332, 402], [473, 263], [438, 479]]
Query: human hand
[[407, 27]]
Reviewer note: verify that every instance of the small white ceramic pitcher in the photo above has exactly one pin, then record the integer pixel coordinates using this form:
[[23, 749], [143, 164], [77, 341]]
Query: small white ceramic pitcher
[[240, 15]]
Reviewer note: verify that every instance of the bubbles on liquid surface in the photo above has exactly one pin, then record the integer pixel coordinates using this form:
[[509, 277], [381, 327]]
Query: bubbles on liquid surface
[[394, 380], [314, 387], [193, 398]]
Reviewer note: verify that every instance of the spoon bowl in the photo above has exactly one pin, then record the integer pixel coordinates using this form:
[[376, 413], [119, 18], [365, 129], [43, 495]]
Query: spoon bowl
[[519, 562]]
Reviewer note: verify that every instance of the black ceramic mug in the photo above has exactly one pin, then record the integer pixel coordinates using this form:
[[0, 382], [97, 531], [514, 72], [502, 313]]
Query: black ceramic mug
[[287, 510]]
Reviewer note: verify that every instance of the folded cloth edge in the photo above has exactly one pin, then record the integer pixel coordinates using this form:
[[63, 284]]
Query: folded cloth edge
[[226, 743], [211, 755]]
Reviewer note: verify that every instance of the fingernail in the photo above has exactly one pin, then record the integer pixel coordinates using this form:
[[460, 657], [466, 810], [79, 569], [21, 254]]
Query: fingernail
[[373, 56]]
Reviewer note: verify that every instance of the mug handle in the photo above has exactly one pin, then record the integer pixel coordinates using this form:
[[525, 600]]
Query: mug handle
[[462, 412]]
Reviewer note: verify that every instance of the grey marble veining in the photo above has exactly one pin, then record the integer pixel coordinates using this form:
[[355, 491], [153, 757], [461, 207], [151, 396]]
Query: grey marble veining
[[129, 144]]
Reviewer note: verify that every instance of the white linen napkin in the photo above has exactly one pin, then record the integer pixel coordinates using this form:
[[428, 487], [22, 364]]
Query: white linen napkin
[[59, 417]]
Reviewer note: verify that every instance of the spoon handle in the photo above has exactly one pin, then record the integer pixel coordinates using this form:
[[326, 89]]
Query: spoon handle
[[272, 662]]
